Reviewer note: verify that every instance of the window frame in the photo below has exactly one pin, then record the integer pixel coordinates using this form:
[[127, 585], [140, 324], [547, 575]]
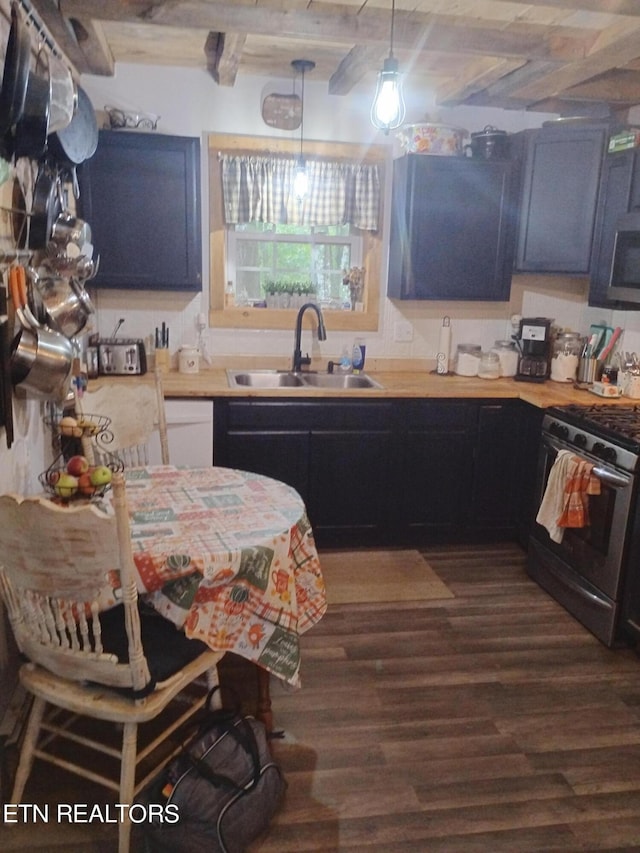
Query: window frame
[[248, 317]]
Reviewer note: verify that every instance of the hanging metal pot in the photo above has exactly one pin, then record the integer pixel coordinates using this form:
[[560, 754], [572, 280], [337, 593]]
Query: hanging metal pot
[[46, 206], [14, 78], [75, 143], [40, 359], [33, 126], [67, 305]]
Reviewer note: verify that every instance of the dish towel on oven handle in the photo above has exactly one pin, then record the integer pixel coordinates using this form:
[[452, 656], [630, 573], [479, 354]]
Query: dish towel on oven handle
[[565, 502]]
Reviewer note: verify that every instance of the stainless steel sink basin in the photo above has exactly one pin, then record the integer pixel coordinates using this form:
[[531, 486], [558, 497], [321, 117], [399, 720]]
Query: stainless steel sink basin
[[263, 379], [266, 379], [337, 380]]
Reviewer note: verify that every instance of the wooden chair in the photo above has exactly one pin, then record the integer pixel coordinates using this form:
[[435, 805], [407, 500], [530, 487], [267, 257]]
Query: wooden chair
[[135, 406], [123, 665]]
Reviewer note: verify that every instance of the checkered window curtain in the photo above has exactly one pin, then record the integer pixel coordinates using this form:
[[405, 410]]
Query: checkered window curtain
[[260, 189]]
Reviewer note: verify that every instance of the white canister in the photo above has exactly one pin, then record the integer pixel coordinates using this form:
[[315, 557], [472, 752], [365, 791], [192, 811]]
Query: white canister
[[630, 384], [468, 359], [189, 360], [508, 355]]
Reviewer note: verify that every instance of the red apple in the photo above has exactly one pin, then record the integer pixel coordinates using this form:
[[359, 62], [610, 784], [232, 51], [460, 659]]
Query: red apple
[[100, 475], [66, 485], [77, 465], [85, 486]]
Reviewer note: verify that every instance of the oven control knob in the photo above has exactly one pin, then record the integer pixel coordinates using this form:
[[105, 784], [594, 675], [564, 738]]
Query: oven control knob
[[559, 430], [607, 453], [580, 439]]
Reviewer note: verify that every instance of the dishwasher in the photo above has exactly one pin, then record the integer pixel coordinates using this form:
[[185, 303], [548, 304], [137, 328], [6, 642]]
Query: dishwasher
[[190, 434]]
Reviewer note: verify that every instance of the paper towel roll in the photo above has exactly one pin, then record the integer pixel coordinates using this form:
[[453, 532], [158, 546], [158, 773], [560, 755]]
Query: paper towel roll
[[444, 347]]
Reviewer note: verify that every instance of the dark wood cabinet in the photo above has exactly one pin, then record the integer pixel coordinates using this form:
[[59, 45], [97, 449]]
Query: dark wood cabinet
[[140, 193], [392, 472], [452, 228], [560, 178], [496, 462], [619, 194], [434, 471], [336, 454]]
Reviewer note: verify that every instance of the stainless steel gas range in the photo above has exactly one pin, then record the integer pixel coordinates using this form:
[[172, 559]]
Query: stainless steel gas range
[[594, 572]]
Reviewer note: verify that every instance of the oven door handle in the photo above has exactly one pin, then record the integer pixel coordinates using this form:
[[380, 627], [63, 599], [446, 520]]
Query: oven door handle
[[611, 478]]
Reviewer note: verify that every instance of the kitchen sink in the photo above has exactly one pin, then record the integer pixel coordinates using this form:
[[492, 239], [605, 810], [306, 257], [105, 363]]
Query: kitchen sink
[[263, 379], [266, 379], [337, 380]]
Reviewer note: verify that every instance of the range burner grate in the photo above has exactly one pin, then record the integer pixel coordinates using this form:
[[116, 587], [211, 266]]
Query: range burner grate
[[620, 423]]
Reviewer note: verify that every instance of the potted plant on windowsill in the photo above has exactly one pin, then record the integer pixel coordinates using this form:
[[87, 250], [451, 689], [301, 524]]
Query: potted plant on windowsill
[[287, 294]]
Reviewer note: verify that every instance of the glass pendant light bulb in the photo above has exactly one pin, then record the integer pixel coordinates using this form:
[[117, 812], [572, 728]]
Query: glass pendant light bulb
[[388, 109], [301, 180]]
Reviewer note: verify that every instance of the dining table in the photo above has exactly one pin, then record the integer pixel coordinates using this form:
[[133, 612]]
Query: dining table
[[229, 557]]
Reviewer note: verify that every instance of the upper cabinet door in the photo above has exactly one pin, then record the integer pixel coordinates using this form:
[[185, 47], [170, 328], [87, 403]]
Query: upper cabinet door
[[452, 228], [561, 174], [140, 193]]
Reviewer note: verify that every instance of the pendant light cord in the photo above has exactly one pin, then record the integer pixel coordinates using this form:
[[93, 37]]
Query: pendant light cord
[[302, 117], [393, 16]]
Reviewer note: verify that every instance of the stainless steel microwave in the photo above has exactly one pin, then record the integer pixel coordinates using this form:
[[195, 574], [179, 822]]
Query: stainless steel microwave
[[624, 281]]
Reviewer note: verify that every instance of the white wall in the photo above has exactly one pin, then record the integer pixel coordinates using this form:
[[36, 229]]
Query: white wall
[[190, 103]]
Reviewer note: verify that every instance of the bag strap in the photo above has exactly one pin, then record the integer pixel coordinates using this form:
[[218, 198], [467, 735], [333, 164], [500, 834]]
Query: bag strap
[[239, 729]]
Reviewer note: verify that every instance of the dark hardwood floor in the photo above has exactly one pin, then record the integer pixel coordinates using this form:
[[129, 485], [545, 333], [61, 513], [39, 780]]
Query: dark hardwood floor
[[488, 722]]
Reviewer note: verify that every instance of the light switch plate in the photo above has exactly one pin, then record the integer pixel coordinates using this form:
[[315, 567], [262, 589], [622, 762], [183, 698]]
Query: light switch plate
[[403, 331]]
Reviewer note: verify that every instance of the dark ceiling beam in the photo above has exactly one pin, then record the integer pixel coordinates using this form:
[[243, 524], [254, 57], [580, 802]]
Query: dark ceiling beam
[[81, 41]]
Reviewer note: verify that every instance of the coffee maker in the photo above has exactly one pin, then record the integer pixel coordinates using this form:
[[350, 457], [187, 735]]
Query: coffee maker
[[534, 343]]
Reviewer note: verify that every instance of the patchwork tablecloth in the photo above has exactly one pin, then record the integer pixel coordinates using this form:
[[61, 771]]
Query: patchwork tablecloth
[[230, 557]]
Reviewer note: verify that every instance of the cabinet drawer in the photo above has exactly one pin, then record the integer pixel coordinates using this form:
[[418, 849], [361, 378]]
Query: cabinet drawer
[[329, 414]]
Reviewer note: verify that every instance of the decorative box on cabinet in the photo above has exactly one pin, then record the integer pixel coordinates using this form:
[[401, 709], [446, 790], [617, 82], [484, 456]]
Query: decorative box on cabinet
[[140, 193], [559, 193], [452, 228]]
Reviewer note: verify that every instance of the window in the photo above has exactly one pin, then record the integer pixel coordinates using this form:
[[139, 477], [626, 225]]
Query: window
[[255, 256], [266, 260]]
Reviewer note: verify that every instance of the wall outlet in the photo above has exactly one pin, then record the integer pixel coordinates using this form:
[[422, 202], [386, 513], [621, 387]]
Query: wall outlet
[[403, 331]]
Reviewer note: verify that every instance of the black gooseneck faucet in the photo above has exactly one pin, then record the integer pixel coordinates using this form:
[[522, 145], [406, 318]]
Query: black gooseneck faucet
[[298, 359]]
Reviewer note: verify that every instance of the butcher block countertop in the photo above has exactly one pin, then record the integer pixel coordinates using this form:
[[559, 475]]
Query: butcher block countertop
[[212, 382]]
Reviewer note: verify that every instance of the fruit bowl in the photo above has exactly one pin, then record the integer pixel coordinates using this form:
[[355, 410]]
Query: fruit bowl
[[80, 425], [76, 479]]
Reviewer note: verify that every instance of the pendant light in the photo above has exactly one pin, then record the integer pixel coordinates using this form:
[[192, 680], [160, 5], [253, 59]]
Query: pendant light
[[300, 182], [387, 109]]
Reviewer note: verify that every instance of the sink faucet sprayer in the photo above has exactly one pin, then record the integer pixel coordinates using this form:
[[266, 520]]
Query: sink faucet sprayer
[[298, 359]]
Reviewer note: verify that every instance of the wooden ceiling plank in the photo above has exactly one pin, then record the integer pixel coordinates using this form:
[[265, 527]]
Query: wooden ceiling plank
[[341, 24], [355, 65], [93, 45], [475, 80], [615, 54], [612, 7], [223, 52], [62, 34]]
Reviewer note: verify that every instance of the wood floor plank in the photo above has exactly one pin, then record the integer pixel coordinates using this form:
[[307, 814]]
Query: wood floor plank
[[490, 722]]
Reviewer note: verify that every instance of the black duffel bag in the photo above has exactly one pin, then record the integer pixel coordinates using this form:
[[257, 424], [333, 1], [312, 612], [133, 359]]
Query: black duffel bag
[[223, 787]]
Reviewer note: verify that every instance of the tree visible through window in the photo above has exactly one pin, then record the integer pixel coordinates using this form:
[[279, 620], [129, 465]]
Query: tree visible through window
[[264, 259]]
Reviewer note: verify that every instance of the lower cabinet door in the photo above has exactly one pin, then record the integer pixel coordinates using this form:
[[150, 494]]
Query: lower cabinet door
[[279, 454], [348, 487]]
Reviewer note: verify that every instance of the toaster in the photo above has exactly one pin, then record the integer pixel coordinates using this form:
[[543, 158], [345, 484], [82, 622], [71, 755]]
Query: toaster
[[121, 357]]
